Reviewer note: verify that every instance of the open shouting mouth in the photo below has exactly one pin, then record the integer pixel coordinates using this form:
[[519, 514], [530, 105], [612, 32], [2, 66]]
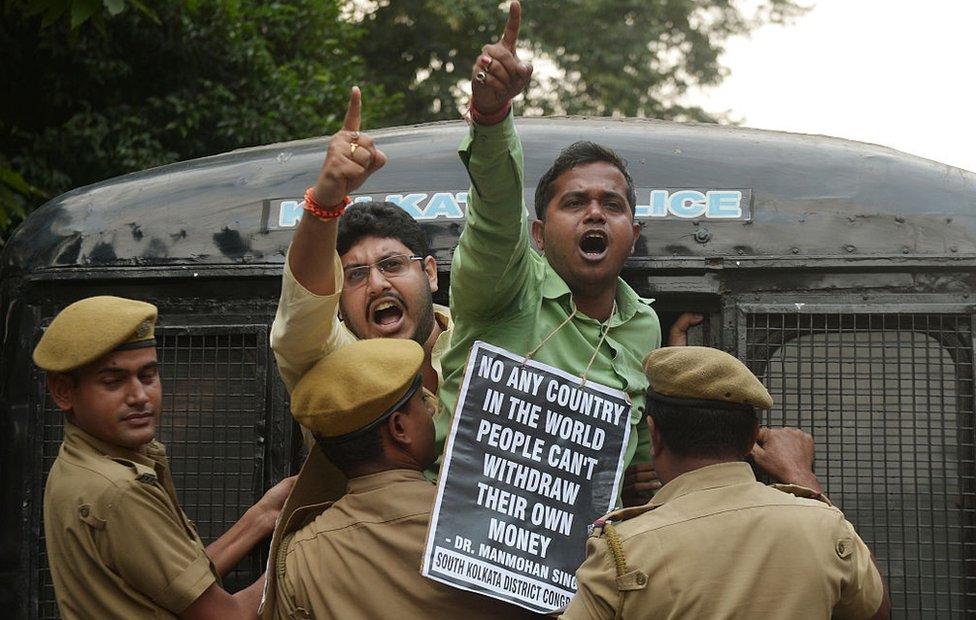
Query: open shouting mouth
[[386, 315], [593, 244]]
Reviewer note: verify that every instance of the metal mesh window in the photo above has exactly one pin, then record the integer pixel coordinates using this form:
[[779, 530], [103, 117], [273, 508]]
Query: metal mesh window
[[214, 414], [889, 401]]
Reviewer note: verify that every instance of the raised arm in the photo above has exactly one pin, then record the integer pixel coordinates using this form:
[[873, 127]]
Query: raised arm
[[491, 262], [306, 324]]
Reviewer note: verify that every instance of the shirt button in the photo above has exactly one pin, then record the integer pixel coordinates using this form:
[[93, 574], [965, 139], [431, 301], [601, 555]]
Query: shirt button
[[641, 579], [85, 511], [844, 548]]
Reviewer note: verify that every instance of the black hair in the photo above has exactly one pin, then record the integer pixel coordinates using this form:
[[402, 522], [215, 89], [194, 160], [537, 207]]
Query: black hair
[[380, 219], [578, 154], [703, 432], [356, 451]]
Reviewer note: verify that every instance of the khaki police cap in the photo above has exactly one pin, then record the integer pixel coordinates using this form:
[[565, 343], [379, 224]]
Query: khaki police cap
[[90, 328], [703, 376], [356, 386]]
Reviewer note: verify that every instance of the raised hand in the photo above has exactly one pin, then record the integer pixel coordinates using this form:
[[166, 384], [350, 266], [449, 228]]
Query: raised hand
[[678, 336], [498, 75], [787, 455], [640, 482], [351, 158]]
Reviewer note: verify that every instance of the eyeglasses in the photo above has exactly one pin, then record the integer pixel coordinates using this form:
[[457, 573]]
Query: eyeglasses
[[391, 267]]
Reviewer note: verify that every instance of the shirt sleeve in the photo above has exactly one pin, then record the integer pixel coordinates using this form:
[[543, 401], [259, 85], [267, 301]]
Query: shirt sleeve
[[306, 326], [491, 264], [596, 595], [151, 550], [862, 593]]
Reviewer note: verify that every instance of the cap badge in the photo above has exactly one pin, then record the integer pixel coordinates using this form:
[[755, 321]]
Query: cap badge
[[143, 330]]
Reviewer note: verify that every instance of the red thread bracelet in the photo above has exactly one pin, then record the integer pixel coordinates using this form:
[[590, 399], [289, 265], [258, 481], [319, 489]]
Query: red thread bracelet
[[489, 119], [321, 212]]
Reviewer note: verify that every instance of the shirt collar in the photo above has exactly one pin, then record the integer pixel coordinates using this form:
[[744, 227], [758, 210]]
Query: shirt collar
[[371, 482], [710, 477], [629, 302], [143, 456]]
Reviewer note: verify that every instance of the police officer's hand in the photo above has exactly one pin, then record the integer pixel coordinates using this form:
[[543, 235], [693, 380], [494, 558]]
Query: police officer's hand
[[269, 506], [498, 76], [678, 336], [787, 455], [640, 482], [351, 158]]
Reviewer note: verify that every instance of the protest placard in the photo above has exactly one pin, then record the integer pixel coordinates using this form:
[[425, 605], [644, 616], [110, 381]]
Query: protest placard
[[533, 458]]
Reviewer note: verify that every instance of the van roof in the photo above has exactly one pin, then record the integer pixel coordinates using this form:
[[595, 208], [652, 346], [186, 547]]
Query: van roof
[[798, 194]]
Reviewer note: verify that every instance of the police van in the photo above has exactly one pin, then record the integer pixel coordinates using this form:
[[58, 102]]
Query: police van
[[842, 273]]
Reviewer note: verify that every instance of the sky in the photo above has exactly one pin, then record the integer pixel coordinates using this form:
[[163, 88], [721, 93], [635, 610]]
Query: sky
[[900, 73]]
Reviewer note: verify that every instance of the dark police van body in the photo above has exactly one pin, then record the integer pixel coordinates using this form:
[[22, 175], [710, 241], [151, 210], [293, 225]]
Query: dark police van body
[[842, 273]]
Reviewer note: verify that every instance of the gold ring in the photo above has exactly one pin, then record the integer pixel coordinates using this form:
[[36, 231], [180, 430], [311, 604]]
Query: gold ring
[[480, 76], [352, 148]]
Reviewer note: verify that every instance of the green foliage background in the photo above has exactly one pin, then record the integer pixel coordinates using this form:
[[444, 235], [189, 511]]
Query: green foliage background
[[98, 88]]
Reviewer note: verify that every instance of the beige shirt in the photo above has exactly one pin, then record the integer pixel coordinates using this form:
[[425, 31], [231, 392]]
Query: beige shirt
[[714, 543], [361, 558], [306, 328], [118, 544]]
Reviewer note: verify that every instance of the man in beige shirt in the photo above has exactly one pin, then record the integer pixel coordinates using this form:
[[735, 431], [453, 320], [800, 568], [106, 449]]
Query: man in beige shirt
[[713, 542], [118, 544], [369, 262], [360, 557]]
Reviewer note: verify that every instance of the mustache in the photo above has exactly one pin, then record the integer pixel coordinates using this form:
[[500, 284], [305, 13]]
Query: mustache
[[389, 295]]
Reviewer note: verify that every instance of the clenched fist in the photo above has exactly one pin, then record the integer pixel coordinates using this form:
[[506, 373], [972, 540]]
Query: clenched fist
[[787, 455]]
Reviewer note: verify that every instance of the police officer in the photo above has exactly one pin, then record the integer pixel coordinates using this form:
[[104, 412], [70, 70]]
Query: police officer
[[713, 542], [118, 544], [360, 557]]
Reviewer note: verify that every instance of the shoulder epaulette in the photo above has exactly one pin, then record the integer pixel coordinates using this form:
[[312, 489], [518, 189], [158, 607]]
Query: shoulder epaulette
[[627, 578], [146, 478], [801, 491]]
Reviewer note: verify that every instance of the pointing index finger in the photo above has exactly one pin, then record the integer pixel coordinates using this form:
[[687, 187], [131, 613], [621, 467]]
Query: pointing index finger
[[351, 123], [510, 38]]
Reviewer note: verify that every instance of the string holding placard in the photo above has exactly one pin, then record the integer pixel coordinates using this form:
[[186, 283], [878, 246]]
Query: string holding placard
[[603, 336]]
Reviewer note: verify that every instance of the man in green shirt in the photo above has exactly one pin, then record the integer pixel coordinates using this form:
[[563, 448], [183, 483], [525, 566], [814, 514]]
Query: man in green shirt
[[568, 307]]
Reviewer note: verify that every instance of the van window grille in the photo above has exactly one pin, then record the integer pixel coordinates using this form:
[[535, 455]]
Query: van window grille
[[889, 401], [214, 416]]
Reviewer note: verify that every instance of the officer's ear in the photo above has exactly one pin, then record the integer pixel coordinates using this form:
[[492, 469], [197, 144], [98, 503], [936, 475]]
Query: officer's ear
[[754, 437], [62, 389], [656, 443], [399, 429]]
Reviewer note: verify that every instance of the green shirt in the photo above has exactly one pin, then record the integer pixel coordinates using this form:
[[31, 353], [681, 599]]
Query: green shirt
[[505, 293]]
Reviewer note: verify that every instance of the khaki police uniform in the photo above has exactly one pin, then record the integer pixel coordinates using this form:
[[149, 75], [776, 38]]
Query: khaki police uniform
[[118, 544], [714, 542], [360, 556]]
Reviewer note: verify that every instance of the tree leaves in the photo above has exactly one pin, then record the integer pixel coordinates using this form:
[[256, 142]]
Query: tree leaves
[[87, 104], [599, 57]]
